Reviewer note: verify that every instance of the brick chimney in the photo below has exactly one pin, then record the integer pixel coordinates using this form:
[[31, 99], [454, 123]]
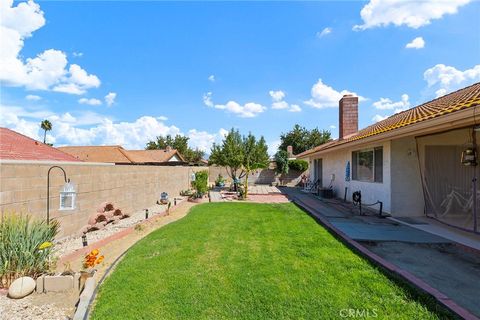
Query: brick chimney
[[168, 149], [290, 151], [348, 115]]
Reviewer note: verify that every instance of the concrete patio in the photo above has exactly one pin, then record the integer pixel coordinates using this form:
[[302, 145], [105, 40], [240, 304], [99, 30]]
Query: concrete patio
[[446, 265]]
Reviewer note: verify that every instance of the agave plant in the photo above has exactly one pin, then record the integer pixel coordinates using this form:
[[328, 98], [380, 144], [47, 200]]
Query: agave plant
[[25, 246]]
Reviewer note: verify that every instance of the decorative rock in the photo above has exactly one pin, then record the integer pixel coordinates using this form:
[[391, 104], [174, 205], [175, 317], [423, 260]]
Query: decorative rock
[[21, 287]]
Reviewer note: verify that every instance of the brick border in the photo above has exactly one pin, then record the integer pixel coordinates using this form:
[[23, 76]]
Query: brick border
[[441, 298]]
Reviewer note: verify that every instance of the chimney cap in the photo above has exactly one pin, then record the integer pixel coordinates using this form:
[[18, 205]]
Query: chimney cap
[[348, 95]]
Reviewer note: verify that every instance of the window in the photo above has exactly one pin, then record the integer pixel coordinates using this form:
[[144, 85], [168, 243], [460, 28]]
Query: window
[[367, 165]]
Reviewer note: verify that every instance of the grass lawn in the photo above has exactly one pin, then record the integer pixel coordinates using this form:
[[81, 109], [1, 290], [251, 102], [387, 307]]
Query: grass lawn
[[248, 261]]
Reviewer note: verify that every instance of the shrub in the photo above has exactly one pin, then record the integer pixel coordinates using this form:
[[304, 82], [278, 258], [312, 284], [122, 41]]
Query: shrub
[[25, 246], [299, 165], [201, 182], [220, 181]]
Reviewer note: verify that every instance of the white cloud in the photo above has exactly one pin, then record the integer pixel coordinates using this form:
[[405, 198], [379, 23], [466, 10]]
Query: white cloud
[[211, 78], [324, 96], [92, 101], [324, 32], [387, 104], [273, 147], [279, 104], [277, 95], [413, 14], [88, 128], [110, 98], [378, 118], [32, 97], [162, 118], [444, 79], [295, 108], [417, 43], [77, 54], [46, 71], [207, 99], [332, 126], [247, 110]]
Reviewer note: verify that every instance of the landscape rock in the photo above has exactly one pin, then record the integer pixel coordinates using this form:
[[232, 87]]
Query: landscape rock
[[21, 287]]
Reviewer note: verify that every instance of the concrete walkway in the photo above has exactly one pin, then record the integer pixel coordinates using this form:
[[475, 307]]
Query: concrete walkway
[[439, 262]]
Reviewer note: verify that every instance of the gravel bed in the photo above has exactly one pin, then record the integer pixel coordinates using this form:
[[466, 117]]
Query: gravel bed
[[60, 306], [70, 244], [28, 309]]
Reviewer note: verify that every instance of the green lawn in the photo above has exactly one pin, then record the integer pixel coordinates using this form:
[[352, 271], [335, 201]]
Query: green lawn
[[248, 261]]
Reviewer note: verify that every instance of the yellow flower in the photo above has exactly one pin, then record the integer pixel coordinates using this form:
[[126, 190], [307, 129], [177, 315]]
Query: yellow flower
[[95, 252], [45, 245]]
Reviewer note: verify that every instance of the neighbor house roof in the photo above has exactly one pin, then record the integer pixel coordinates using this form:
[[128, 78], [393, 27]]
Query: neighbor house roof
[[455, 101], [154, 156], [16, 146], [117, 154], [111, 154]]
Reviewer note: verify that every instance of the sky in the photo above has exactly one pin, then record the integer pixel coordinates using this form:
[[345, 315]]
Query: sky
[[122, 73]]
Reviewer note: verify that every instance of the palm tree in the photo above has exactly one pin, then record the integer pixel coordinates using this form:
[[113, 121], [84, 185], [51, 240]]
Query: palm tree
[[46, 126]]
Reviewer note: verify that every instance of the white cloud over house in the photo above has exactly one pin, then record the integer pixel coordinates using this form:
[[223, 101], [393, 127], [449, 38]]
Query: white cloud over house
[[33, 97], [417, 43], [324, 96], [444, 79], [49, 70], [413, 14], [387, 104]]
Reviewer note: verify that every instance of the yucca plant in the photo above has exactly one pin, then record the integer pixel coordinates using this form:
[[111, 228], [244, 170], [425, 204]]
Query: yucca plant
[[25, 246]]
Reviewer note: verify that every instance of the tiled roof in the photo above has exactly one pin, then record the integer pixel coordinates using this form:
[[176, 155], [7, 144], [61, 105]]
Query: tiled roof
[[16, 146], [455, 101], [153, 156], [110, 154], [116, 154]]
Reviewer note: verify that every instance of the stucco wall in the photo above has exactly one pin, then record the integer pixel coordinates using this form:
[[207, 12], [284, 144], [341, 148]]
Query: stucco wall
[[131, 188], [407, 191], [335, 163]]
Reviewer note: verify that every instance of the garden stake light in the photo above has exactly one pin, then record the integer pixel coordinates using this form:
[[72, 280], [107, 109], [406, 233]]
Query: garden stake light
[[146, 214], [84, 240]]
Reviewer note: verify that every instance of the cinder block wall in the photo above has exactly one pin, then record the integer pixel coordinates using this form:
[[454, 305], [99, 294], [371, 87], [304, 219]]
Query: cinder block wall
[[23, 188], [261, 176]]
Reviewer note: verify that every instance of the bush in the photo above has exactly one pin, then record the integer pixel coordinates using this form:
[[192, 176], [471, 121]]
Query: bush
[[220, 182], [201, 182], [25, 246], [299, 165]]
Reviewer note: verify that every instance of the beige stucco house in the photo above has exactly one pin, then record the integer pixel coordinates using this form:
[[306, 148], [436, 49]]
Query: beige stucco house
[[417, 162]]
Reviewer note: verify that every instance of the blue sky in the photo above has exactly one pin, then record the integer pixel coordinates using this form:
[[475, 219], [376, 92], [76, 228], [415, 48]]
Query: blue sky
[[200, 68]]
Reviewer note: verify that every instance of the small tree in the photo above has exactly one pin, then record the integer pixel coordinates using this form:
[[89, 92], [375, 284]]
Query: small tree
[[281, 159], [240, 156], [201, 183], [46, 126]]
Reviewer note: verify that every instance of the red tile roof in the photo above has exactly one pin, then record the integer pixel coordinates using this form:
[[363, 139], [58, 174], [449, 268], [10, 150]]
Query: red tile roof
[[455, 101], [110, 154], [116, 154], [16, 146]]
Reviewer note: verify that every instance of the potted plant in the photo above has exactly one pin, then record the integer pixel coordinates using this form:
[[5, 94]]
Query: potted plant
[[220, 182]]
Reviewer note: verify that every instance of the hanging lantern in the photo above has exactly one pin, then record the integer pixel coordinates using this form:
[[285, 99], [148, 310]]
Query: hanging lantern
[[68, 195], [469, 157]]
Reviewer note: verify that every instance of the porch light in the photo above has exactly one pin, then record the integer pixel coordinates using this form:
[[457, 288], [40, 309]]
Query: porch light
[[67, 193], [192, 177], [68, 196], [469, 157]]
